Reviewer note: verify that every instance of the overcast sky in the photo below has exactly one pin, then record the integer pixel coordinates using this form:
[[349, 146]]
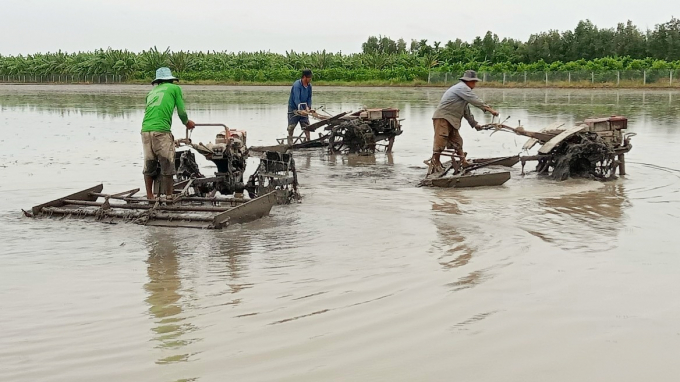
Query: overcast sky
[[28, 26]]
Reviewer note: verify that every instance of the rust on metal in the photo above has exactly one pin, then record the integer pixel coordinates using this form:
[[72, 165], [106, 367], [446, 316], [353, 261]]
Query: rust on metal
[[88, 194], [173, 212], [594, 148], [195, 202], [362, 132]]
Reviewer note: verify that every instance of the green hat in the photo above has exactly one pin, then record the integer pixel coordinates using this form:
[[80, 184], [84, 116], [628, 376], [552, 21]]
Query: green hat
[[163, 74]]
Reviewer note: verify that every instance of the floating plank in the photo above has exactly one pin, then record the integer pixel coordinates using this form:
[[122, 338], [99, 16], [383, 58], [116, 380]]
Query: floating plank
[[125, 215], [87, 195], [137, 206], [548, 146], [179, 224], [252, 210], [475, 180], [500, 161]]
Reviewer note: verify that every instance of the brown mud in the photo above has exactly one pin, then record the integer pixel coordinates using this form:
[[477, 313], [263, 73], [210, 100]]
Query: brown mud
[[369, 278]]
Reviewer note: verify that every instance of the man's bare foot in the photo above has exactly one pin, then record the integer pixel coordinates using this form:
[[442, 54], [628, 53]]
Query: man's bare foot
[[433, 167], [169, 198], [151, 199]]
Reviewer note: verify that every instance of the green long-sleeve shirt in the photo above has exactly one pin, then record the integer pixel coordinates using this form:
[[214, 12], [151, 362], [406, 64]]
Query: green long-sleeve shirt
[[160, 104]]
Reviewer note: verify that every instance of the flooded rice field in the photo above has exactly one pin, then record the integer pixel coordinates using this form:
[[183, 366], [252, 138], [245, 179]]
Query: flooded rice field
[[368, 279]]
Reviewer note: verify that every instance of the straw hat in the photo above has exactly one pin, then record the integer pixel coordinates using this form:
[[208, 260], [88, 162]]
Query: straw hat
[[470, 75]]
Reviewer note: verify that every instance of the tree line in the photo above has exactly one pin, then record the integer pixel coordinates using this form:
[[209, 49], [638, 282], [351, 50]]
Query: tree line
[[586, 41], [587, 47]]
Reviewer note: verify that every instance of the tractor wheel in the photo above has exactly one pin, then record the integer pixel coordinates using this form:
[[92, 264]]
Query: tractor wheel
[[351, 137]]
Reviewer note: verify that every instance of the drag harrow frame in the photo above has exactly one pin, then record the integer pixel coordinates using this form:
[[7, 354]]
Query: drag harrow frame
[[179, 211]]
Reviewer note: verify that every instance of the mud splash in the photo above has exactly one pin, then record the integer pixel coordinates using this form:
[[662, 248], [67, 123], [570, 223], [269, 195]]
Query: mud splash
[[583, 156]]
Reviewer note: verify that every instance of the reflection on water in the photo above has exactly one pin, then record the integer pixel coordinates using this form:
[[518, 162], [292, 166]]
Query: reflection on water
[[460, 240], [121, 101], [455, 251], [469, 225], [211, 276], [164, 297], [228, 264], [603, 206], [589, 220], [353, 160]]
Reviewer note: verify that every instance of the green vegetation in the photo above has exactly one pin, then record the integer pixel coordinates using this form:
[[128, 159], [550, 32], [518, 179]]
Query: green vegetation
[[586, 49]]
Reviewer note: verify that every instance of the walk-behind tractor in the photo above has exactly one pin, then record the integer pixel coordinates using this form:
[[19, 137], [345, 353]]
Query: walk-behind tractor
[[594, 148], [363, 132], [276, 171], [194, 203]]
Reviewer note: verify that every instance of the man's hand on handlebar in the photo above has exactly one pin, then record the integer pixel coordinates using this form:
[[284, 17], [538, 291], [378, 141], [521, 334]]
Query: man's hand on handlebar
[[190, 125], [492, 111], [180, 142]]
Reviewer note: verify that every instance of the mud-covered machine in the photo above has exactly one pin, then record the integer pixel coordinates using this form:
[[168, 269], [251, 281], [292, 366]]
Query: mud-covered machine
[[195, 202], [362, 132], [594, 148], [275, 172]]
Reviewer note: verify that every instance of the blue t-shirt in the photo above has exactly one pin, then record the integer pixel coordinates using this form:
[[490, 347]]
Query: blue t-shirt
[[299, 94]]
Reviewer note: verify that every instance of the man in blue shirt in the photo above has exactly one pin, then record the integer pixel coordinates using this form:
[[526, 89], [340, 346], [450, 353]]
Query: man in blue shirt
[[300, 104]]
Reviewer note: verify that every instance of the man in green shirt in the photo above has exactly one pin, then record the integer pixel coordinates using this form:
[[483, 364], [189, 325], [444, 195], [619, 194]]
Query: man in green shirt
[[157, 139]]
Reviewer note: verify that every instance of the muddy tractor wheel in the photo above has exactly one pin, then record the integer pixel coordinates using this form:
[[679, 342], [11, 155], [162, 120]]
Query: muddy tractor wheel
[[349, 137], [276, 171], [186, 166], [543, 167], [605, 169], [584, 156], [336, 140]]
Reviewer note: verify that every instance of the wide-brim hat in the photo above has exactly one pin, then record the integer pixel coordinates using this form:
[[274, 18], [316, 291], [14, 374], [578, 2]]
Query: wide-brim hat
[[163, 74], [470, 75]]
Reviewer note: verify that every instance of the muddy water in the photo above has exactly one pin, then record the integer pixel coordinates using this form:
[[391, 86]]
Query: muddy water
[[369, 279]]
